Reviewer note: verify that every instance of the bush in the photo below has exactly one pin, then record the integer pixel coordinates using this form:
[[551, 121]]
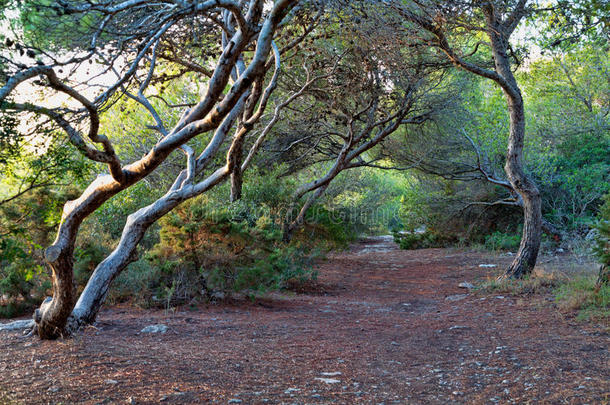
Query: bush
[[525, 286], [602, 248], [205, 252], [603, 226], [592, 301], [26, 224], [503, 241], [333, 227], [421, 240]]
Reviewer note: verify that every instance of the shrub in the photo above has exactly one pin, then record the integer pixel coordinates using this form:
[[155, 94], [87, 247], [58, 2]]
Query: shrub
[[421, 240], [602, 248], [334, 227], [592, 301], [205, 251], [503, 241], [525, 286]]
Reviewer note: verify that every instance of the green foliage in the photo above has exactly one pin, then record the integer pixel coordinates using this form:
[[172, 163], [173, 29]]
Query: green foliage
[[525, 286], [567, 152], [582, 294], [208, 249], [26, 225], [38, 175], [572, 23], [603, 239], [421, 240], [502, 241]]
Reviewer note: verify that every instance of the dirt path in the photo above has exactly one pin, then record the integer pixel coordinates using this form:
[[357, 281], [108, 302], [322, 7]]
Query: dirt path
[[391, 326]]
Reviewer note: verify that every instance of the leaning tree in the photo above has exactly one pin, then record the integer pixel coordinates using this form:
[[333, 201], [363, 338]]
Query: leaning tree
[[85, 56], [469, 33], [380, 84]]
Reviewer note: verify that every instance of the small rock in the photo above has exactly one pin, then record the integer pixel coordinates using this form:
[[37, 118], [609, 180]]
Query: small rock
[[155, 329], [459, 327], [488, 265], [218, 295], [328, 380], [291, 390], [466, 285], [235, 401], [111, 382], [53, 389], [395, 343], [456, 297], [331, 373]]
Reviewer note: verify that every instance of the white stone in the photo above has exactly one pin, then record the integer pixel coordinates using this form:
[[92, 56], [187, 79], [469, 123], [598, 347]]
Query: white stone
[[328, 380], [155, 329]]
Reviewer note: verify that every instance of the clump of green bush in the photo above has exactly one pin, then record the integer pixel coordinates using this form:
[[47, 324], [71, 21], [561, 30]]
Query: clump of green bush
[[525, 286], [421, 240], [591, 300], [602, 248], [502, 241], [205, 252]]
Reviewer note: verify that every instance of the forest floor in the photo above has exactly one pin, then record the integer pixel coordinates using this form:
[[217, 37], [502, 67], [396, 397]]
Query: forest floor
[[383, 326]]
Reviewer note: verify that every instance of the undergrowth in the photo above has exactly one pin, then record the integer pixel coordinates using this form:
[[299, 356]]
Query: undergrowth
[[581, 294], [525, 286]]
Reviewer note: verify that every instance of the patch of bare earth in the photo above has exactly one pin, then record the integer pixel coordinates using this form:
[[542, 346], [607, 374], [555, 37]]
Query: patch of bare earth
[[390, 326]]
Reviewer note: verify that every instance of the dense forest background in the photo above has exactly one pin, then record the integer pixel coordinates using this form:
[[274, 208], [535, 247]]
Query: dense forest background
[[428, 182]]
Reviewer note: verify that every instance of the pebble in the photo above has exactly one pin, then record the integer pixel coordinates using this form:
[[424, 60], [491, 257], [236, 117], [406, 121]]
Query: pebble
[[456, 297], [155, 329], [328, 380], [466, 285], [235, 401]]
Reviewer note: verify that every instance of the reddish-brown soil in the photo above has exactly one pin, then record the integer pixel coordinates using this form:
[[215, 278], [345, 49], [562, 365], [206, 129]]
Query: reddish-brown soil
[[387, 326]]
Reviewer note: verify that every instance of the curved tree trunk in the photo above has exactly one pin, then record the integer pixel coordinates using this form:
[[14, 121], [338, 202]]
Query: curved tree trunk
[[53, 314], [526, 257], [94, 294], [527, 254]]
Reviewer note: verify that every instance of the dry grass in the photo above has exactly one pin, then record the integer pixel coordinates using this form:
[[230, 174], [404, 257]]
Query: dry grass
[[537, 283], [581, 294], [572, 285]]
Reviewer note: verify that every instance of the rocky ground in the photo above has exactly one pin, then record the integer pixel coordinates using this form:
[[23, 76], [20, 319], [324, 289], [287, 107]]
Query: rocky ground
[[383, 326]]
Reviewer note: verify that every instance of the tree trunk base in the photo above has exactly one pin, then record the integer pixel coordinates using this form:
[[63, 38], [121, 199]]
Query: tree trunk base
[[603, 278]]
